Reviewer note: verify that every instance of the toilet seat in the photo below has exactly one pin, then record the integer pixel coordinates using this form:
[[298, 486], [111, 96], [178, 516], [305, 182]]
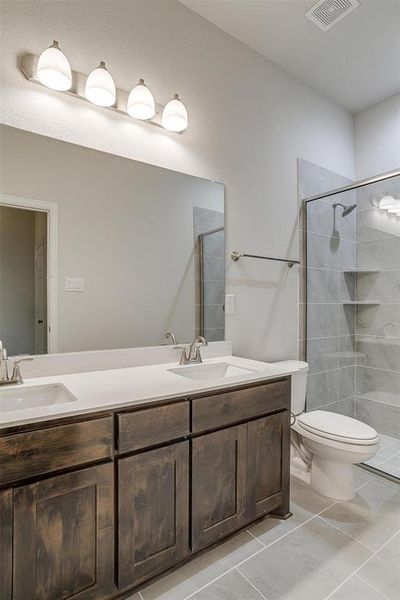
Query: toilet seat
[[336, 427]]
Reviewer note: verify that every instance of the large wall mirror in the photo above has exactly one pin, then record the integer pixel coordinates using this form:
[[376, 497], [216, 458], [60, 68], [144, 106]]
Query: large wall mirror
[[99, 251]]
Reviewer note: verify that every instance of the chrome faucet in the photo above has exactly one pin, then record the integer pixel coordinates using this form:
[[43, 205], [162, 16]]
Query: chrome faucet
[[16, 376], [194, 356], [171, 336]]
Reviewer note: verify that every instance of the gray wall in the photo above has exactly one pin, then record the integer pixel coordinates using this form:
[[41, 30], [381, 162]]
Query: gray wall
[[125, 227], [377, 138]]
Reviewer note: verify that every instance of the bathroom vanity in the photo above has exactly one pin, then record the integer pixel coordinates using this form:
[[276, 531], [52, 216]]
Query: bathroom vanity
[[118, 461], [94, 504]]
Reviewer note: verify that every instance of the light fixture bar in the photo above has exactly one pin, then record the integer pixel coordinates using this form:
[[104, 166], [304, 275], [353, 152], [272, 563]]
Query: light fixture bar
[[28, 66]]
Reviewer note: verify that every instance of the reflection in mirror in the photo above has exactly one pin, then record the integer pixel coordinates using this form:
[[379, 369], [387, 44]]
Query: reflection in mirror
[[124, 253], [23, 280]]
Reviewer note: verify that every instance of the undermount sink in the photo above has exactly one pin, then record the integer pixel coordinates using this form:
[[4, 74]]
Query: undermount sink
[[203, 371], [21, 398]]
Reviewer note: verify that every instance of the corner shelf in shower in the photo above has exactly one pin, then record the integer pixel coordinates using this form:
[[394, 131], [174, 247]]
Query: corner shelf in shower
[[361, 302], [356, 271]]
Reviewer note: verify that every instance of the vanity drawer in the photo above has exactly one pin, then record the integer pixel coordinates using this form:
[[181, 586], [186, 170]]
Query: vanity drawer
[[32, 453], [152, 426], [219, 410]]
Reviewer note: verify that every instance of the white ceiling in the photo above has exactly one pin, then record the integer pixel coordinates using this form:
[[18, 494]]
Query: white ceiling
[[356, 63]]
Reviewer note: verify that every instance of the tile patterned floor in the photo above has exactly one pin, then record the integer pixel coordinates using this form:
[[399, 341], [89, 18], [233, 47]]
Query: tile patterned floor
[[388, 457], [327, 550]]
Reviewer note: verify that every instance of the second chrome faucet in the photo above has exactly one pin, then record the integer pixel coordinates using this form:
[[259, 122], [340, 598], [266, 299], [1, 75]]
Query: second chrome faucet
[[194, 355]]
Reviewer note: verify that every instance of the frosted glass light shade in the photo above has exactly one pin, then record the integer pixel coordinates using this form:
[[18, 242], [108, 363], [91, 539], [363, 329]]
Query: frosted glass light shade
[[390, 204], [395, 209], [387, 202], [100, 87], [141, 104], [175, 116], [53, 69]]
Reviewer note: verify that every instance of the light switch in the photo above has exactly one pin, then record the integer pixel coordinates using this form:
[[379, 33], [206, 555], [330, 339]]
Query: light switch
[[229, 304], [73, 284]]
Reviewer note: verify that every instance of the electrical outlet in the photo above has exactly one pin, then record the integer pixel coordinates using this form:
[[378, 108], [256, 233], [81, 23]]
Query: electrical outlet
[[229, 304], [73, 284]]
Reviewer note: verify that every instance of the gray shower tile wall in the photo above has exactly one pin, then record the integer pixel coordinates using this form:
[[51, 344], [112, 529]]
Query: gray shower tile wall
[[211, 304], [378, 326], [327, 327]]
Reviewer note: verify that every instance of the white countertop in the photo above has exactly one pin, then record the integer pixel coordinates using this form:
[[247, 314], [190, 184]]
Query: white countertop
[[120, 388]]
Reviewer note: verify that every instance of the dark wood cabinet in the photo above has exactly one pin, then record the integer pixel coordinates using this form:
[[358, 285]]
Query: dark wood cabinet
[[224, 409], [91, 508], [42, 451], [218, 484], [152, 426], [238, 475], [63, 537], [267, 464], [153, 512], [6, 544]]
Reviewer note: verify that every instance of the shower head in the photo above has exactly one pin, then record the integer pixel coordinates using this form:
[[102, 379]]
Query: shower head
[[346, 209]]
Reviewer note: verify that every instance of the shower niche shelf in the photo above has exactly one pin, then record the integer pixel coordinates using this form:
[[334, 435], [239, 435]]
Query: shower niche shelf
[[361, 271], [361, 302]]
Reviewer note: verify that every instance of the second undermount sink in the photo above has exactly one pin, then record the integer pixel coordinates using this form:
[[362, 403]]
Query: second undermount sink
[[203, 371], [21, 398]]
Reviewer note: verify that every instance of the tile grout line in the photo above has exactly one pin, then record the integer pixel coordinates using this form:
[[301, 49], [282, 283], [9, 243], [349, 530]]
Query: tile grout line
[[345, 532], [384, 481], [250, 583], [140, 596], [358, 488], [372, 587], [256, 538], [362, 565]]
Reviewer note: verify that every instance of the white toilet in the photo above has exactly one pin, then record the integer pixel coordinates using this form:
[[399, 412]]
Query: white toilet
[[331, 443]]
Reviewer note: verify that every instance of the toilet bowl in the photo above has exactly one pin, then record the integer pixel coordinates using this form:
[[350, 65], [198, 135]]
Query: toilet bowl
[[329, 442], [336, 443]]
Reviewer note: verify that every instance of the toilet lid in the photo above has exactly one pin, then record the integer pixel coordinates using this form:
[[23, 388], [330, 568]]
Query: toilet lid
[[337, 427]]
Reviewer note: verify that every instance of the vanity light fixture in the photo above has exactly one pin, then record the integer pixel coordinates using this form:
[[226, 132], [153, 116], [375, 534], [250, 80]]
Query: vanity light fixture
[[141, 104], [100, 87], [53, 68], [175, 116]]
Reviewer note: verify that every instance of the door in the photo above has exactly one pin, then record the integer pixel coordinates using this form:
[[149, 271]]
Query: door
[[153, 512], [40, 298], [63, 532], [218, 484], [268, 465]]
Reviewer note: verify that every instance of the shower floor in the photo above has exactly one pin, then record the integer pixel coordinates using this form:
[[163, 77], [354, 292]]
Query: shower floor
[[388, 457]]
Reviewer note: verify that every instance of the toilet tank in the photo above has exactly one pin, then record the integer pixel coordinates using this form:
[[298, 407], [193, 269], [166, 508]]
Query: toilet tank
[[298, 371], [299, 388]]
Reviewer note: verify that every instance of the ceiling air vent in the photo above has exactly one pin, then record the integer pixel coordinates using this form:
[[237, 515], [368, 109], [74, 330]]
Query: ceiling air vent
[[326, 13]]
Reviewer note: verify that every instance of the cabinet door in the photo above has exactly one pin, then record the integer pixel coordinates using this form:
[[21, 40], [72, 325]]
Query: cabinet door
[[218, 484], [268, 465], [5, 544], [153, 512], [63, 537]]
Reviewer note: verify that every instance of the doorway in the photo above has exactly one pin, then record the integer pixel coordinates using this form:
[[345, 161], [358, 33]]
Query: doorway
[[28, 275], [23, 280]]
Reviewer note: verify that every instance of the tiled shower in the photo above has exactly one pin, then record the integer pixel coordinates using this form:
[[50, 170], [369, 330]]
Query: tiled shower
[[209, 239], [350, 329]]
